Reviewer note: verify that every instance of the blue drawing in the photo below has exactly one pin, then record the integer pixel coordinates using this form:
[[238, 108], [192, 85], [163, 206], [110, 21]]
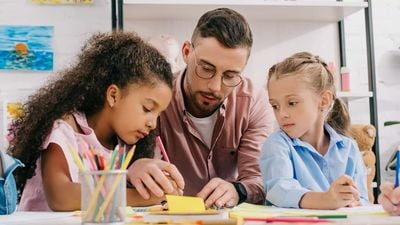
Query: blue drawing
[[26, 48]]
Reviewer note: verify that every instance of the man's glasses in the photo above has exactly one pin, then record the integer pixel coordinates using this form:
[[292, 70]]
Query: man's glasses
[[229, 79]]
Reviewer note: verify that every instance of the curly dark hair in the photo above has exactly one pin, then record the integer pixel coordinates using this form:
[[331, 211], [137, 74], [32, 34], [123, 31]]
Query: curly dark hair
[[120, 58]]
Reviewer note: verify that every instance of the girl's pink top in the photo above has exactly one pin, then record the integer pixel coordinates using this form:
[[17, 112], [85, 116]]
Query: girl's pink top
[[33, 197]]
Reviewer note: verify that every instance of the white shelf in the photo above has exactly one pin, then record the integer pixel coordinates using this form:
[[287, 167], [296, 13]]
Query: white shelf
[[300, 10], [354, 95]]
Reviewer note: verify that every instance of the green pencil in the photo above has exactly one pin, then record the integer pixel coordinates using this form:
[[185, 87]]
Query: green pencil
[[333, 216]]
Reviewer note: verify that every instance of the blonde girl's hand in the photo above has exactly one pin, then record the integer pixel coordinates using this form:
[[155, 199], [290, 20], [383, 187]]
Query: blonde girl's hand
[[390, 198], [343, 192]]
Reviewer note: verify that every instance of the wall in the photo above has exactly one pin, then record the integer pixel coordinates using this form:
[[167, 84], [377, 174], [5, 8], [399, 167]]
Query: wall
[[72, 25], [387, 63], [387, 60]]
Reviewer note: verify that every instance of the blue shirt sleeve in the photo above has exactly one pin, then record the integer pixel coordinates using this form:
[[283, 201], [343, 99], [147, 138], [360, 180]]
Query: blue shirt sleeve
[[282, 189], [360, 175]]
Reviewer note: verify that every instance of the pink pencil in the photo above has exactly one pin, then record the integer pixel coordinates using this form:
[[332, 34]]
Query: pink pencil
[[288, 219], [160, 144]]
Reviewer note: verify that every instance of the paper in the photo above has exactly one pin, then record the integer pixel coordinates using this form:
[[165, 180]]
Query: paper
[[246, 210], [185, 204]]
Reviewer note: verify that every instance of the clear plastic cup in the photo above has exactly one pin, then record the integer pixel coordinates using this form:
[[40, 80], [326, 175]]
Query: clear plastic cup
[[103, 198]]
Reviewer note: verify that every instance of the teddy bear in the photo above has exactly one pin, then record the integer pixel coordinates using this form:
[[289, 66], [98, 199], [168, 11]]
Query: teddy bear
[[364, 135]]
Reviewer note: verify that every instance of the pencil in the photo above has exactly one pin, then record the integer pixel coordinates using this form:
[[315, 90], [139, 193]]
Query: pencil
[[164, 153], [396, 184], [288, 219], [114, 185], [334, 216], [76, 158], [95, 195]]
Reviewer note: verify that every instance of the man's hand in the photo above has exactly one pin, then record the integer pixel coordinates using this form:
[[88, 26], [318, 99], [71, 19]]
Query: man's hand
[[390, 198], [158, 176], [220, 193]]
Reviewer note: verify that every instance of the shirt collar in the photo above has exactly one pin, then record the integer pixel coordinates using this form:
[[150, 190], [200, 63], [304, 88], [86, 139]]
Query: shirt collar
[[335, 139]]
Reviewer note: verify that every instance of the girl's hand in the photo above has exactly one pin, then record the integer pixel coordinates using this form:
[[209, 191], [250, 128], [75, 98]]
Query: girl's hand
[[343, 192], [390, 198]]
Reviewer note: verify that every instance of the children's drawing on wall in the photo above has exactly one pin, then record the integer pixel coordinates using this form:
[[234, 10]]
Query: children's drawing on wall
[[62, 1], [13, 111], [26, 48]]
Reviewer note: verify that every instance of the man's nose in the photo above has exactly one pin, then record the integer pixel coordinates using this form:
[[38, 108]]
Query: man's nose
[[215, 83]]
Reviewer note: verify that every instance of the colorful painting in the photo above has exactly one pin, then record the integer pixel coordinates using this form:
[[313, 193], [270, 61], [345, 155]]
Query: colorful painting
[[62, 1], [13, 111], [26, 48]]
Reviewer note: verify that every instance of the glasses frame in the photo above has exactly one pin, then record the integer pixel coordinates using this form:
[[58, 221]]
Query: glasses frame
[[215, 73]]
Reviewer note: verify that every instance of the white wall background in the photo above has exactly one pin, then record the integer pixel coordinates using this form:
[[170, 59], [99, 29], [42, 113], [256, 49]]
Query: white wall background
[[72, 25], [272, 42]]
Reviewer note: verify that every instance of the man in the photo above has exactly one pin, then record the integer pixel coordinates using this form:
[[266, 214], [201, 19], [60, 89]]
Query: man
[[216, 122]]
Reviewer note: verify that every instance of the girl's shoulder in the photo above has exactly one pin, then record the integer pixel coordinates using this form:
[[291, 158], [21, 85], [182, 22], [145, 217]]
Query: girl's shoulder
[[71, 120], [64, 130], [278, 138]]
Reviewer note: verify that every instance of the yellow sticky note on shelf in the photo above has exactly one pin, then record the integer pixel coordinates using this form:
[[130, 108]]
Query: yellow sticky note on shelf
[[185, 204]]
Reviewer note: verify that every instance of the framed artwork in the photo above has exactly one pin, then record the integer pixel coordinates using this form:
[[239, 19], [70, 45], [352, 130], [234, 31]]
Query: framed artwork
[[11, 108], [26, 48]]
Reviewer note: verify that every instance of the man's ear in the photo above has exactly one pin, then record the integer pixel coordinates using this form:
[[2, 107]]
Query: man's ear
[[185, 51], [326, 100], [113, 95]]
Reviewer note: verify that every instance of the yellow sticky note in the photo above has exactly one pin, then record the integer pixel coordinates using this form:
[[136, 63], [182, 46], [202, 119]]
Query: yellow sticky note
[[185, 204]]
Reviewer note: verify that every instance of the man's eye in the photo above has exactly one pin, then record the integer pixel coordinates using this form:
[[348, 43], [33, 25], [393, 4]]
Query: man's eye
[[146, 109], [207, 69], [230, 76]]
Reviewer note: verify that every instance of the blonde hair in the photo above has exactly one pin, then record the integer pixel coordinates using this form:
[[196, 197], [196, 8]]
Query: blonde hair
[[314, 72]]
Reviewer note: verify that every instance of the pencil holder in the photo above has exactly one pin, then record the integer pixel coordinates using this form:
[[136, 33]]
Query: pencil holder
[[103, 198]]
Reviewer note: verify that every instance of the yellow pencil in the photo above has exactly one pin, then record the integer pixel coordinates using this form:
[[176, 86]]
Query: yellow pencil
[[95, 195], [80, 165], [76, 158], [115, 184]]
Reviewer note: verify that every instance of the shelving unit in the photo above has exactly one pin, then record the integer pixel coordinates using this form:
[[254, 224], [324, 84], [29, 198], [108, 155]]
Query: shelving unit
[[266, 10], [347, 96], [251, 9]]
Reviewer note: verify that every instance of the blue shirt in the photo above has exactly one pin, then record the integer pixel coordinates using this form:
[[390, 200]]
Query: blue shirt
[[8, 189], [291, 167]]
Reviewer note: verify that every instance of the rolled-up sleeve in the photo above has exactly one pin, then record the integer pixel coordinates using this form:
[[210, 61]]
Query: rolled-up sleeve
[[281, 188]]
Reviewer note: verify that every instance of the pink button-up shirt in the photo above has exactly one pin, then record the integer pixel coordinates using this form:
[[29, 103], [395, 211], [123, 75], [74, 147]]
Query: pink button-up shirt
[[245, 119]]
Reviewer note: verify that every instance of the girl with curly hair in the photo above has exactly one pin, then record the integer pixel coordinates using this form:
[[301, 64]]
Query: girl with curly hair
[[113, 94]]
